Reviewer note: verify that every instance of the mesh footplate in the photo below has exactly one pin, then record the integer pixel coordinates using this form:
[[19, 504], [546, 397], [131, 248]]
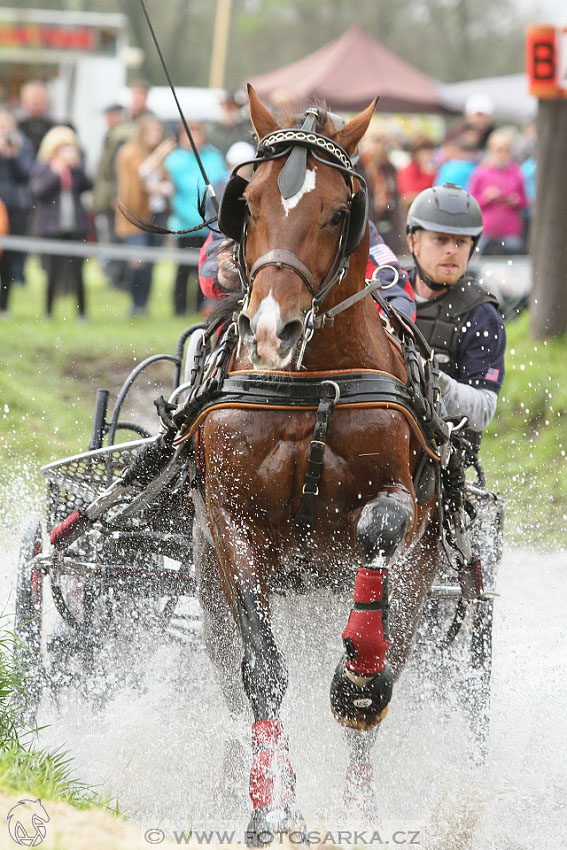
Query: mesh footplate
[[76, 481]]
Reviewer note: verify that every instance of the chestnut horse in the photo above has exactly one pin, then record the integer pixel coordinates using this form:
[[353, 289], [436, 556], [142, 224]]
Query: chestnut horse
[[301, 222]]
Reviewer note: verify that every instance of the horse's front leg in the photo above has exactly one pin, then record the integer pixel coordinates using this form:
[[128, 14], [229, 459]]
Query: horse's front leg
[[362, 685], [246, 560]]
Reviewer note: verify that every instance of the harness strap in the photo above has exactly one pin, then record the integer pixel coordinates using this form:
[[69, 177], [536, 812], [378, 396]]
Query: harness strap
[[328, 317], [305, 516]]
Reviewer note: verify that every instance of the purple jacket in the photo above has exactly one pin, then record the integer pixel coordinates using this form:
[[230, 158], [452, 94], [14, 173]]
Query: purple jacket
[[45, 188]]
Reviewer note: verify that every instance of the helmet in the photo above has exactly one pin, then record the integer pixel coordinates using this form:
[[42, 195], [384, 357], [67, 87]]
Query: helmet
[[446, 209]]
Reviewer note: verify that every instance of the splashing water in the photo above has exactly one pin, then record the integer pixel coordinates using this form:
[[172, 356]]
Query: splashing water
[[158, 746]]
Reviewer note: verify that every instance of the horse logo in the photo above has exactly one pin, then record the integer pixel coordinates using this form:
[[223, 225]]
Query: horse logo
[[26, 823]]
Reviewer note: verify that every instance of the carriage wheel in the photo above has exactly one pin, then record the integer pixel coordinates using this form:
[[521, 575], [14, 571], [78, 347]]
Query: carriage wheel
[[28, 617]]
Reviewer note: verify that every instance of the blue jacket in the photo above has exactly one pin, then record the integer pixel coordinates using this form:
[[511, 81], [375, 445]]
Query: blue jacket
[[185, 174]]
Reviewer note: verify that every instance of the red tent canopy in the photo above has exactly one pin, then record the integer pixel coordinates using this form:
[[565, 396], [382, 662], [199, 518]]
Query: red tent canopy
[[349, 72]]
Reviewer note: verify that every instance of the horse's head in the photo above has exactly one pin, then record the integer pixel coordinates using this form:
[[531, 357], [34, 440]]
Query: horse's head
[[298, 220]]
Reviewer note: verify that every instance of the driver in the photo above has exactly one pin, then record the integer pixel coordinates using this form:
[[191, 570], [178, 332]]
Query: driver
[[457, 315]]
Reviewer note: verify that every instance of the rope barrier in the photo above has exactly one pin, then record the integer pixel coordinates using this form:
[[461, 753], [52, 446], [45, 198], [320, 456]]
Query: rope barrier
[[108, 250]]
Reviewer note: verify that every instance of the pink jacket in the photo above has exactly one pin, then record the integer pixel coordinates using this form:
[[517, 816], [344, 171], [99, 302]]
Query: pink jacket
[[500, 218]]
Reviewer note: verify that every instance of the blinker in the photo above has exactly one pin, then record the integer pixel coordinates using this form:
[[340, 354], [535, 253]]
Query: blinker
[[292, 176]]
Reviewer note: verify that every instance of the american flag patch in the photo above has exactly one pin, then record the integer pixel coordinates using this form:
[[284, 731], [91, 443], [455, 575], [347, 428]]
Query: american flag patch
[[382, 255], [492, 374]]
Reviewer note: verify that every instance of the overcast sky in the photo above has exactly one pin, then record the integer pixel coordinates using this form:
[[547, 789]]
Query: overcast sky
[[546, 11]]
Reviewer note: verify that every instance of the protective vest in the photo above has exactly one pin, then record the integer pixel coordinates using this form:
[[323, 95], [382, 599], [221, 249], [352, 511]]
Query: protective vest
[[441, 319]]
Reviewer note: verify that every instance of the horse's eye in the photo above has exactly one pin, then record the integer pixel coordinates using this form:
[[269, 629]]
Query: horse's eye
[[337, 218]]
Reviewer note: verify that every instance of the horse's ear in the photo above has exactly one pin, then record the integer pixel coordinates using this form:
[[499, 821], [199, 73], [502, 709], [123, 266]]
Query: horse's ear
[[350, 135], [261, 117]]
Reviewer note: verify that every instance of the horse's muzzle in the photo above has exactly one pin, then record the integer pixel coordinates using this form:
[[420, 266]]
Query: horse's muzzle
[[269, 347]]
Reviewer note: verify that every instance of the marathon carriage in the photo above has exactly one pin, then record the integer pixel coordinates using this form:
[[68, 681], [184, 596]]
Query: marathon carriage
[[132, 567]]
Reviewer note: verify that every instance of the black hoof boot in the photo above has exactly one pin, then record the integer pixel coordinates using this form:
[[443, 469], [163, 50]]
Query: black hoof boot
[[268, 823], [358, 703]]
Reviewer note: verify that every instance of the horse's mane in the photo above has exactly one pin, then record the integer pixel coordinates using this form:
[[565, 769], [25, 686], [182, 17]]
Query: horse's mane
[[224, 310], [325, 124]]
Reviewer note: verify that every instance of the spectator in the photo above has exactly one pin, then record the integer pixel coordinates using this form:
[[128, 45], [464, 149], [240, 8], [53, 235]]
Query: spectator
[[35, 121], [57, 182], [16, 161], [139, 91], [382, 186], [105, 187], [528, 169], [418, 174], [460, 157], [185, 174], [233, 126], [498, 185], [237, 153], [479, 113], [143, 190], [4, 230]]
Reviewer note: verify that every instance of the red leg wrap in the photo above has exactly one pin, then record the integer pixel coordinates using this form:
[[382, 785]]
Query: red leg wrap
[[364, 633], [272, 779]]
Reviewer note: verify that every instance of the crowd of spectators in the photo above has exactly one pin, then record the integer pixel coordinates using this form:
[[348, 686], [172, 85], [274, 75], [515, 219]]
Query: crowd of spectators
[[148, 170]]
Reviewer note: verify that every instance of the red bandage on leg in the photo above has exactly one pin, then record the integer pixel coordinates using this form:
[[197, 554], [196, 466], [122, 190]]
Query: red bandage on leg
[[364, 633], [272, 779]]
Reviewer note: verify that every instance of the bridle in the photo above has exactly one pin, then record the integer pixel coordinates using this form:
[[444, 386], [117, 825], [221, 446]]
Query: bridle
[[296, 143]]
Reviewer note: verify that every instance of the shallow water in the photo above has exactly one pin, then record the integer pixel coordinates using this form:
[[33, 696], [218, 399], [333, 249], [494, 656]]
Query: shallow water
[[157, 746]]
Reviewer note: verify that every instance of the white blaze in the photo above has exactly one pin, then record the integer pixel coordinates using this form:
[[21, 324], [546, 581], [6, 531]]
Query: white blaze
[[268, 318], [308, 186]]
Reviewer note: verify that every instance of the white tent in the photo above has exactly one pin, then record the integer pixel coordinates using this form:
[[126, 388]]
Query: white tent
[[509, 93]]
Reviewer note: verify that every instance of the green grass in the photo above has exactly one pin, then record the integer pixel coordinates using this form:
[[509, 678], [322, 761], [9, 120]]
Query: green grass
[[524, 450], [23, 768], [46, 775], [50, 371]]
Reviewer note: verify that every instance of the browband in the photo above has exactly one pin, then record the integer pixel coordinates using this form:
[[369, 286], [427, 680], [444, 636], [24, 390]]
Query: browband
[[310, 140]]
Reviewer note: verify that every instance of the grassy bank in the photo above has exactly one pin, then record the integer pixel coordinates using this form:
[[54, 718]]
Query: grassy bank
[[24, 769], [50, 371]]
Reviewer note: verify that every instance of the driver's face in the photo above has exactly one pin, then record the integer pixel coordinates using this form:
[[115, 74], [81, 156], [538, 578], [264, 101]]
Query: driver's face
[[442, 257]]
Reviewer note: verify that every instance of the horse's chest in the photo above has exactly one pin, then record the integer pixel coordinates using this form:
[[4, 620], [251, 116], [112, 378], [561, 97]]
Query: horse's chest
[[266, 458]]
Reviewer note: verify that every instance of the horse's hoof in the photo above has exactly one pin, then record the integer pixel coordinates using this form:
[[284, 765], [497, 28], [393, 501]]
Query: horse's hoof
[[269, 822], [359, 794], [359, 702], [231, 788]]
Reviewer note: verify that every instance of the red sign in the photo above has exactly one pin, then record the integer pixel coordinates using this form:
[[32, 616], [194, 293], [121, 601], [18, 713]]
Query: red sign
[[546, 60], [48, 36]]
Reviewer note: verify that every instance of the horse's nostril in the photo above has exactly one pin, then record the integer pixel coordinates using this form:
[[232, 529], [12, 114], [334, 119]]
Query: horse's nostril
[[290, 333], [244, 327]]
